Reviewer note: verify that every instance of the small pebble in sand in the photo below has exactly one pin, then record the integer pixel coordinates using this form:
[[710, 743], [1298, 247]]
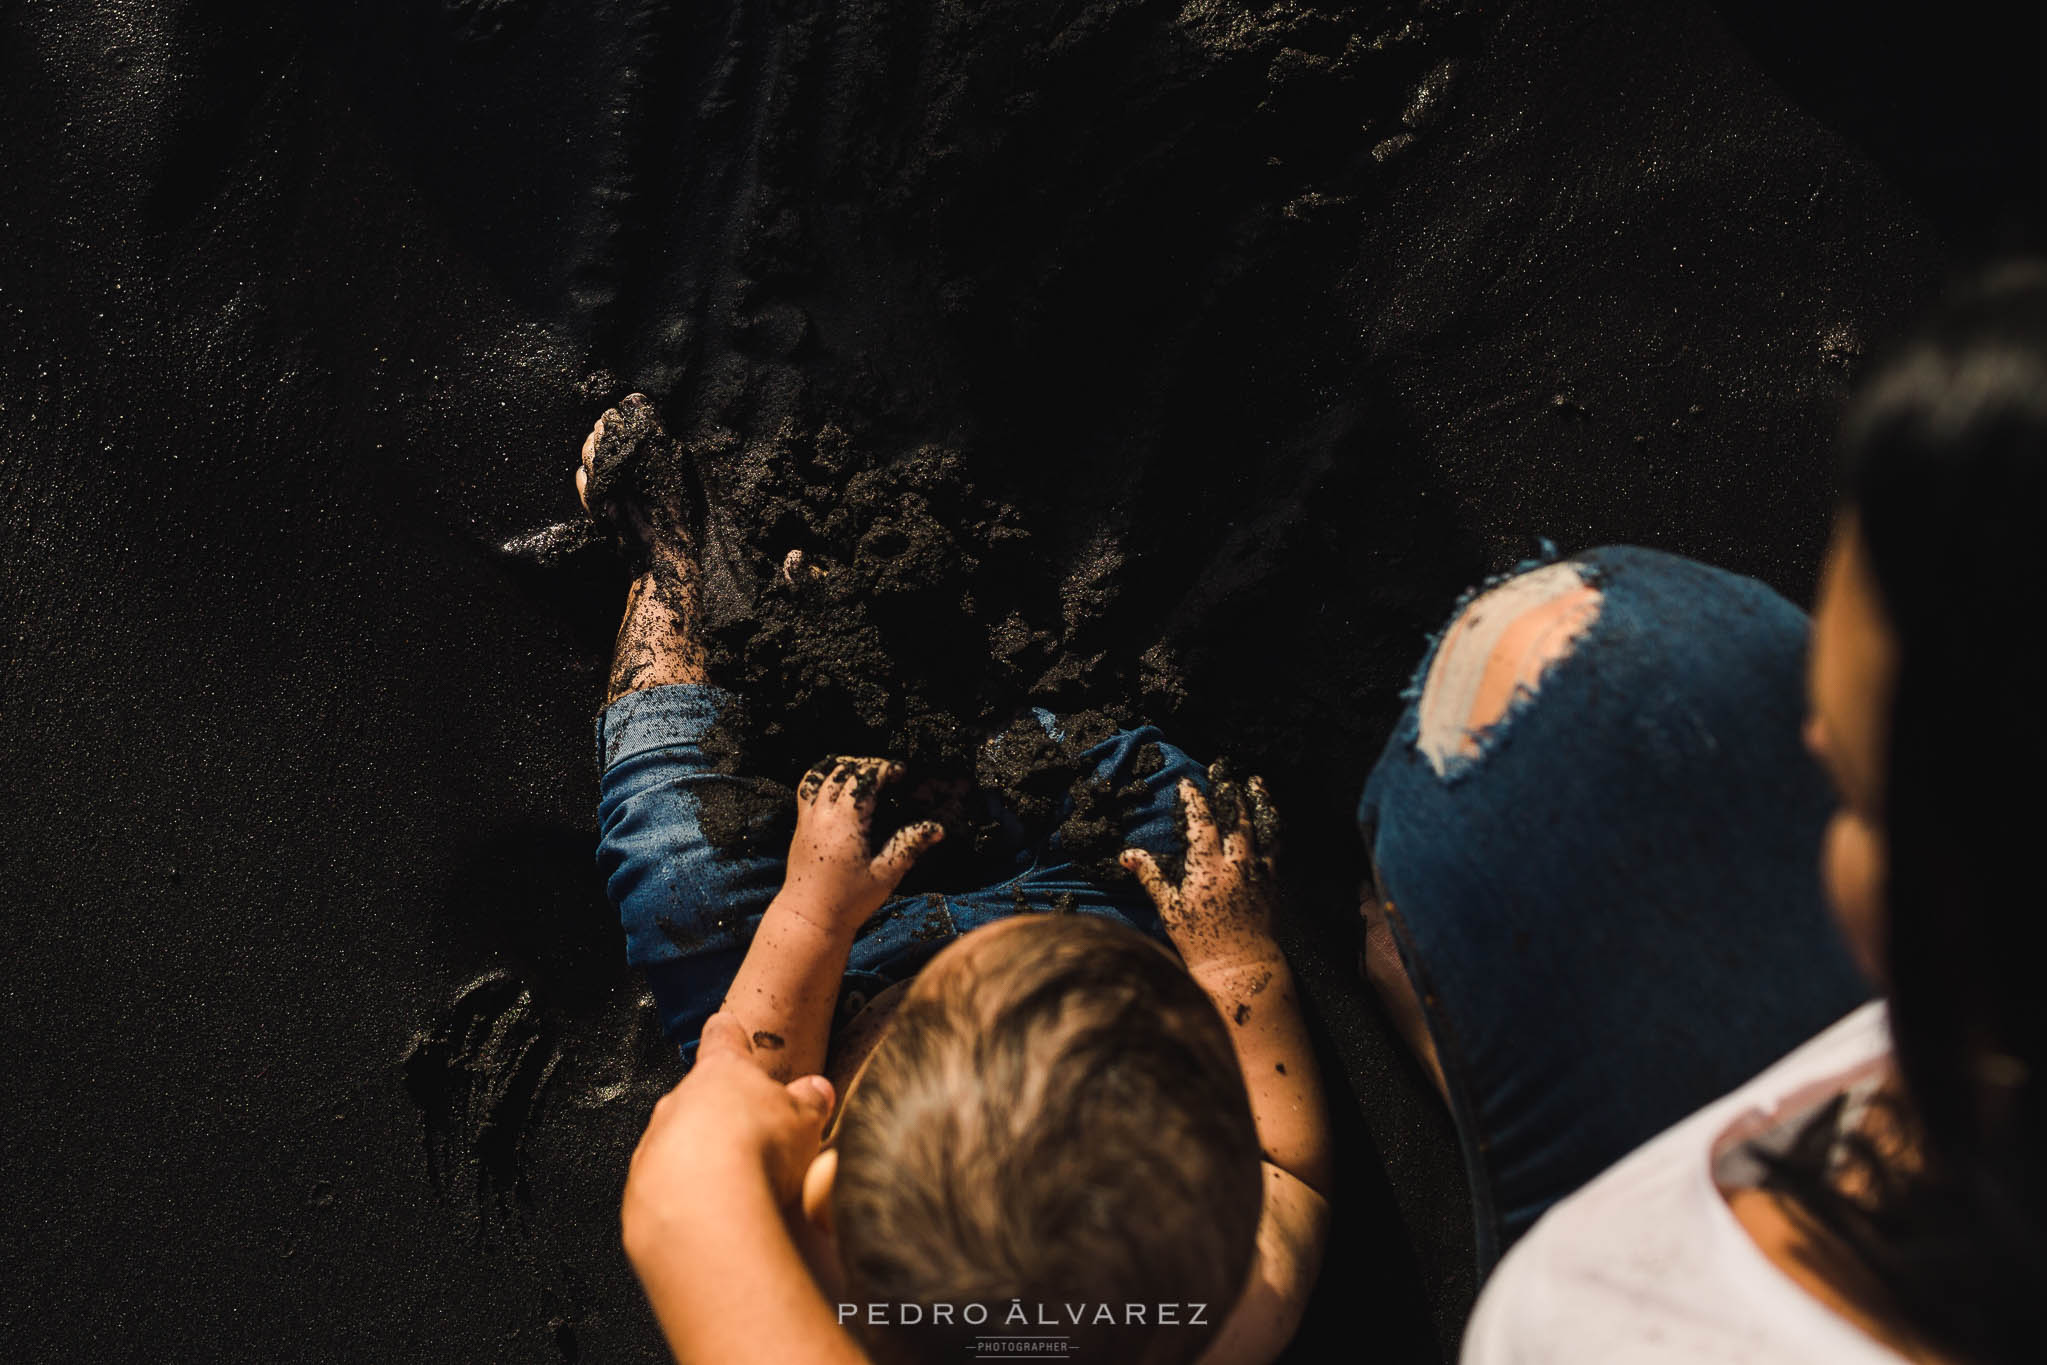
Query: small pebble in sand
[[796, 569]]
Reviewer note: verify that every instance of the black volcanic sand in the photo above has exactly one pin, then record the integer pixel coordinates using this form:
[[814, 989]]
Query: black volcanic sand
[[1128, 360]]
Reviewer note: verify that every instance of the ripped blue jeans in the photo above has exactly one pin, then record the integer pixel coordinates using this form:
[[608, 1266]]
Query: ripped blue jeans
[[1608, 900]]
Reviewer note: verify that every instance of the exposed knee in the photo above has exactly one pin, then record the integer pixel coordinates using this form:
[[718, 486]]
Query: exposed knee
[[1497, 652]]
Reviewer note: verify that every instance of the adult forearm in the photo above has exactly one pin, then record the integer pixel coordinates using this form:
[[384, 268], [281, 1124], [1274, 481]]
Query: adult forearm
[[727, 1284]]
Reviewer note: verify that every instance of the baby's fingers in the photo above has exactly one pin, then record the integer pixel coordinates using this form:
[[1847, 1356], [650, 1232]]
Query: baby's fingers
[[1202, 838], [1139, 863], [824, 770], [1264, 817], [862, 779], [903, 850]]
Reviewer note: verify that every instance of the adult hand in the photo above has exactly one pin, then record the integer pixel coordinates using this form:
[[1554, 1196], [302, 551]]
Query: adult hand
[[708, 1205], [1220, 911], [727, 1124], [832, 876]]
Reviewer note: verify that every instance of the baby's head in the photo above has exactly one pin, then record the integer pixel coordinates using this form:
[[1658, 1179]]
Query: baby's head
[[1055, 1117]]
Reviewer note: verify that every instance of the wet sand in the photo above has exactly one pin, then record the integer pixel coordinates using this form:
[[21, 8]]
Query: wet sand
[[1170, 364]]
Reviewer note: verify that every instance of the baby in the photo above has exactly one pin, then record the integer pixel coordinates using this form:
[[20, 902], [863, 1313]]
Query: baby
[[1054, 1128]]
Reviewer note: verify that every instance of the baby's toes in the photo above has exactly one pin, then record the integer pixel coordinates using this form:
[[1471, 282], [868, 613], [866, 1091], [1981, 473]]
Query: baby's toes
[[596, 435]]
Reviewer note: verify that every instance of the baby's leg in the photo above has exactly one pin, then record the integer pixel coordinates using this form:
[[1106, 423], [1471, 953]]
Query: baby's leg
[[630, 479], [688, 907]]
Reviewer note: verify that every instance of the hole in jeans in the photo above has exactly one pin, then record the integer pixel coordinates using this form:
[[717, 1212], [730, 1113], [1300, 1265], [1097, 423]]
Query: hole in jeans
[[1495, 655]]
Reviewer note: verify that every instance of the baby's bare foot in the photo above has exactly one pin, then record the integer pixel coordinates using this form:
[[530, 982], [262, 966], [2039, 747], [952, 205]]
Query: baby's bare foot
[[632, 479], [634, 482]]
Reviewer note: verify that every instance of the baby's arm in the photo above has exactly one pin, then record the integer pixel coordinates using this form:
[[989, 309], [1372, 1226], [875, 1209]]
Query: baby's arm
[[789, 981], [1220, 918]]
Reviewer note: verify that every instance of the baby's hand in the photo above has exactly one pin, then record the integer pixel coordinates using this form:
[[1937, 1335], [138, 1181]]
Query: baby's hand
[[1220, 913], [832, 879]]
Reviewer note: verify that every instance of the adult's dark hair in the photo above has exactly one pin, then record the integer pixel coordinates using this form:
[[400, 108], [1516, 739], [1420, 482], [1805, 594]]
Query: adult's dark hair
[[1947, 477], [1066, 1128]]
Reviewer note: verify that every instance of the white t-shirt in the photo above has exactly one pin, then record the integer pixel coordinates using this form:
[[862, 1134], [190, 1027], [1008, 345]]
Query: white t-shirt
[[1647, 1263]]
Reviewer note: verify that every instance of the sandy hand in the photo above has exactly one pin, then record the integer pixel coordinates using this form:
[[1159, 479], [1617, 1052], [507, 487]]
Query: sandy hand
[[1220, 911], [833, 878]]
